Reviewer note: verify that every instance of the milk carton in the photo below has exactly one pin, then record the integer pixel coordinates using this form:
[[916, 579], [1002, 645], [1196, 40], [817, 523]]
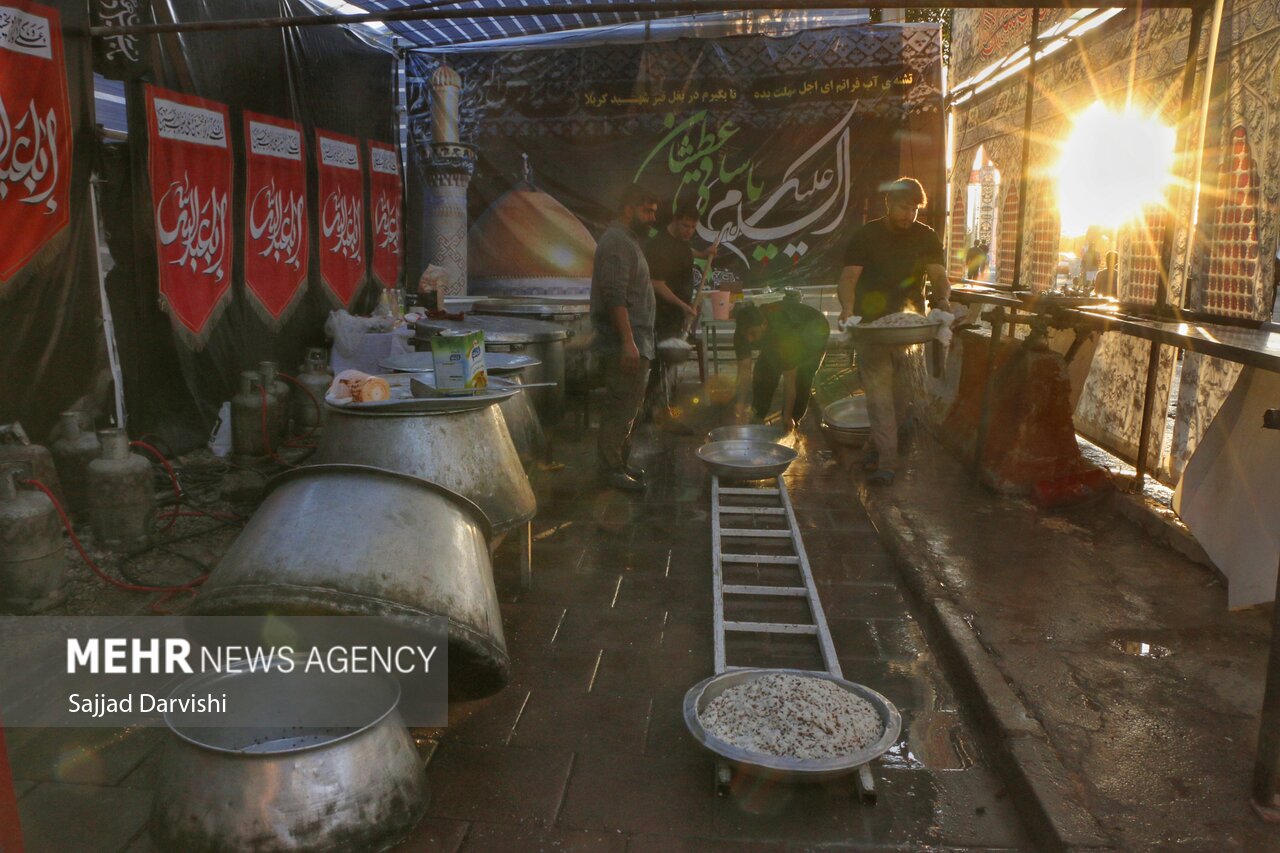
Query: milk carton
[[459, 362]]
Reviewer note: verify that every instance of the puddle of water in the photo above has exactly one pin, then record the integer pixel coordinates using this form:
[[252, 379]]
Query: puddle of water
[[1137, 648]]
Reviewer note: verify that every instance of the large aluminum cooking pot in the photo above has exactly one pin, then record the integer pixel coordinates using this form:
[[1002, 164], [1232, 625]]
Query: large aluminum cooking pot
[[542, 340], [573, 314], [269, 787], [468, 452], [349, 539], [523, 425]]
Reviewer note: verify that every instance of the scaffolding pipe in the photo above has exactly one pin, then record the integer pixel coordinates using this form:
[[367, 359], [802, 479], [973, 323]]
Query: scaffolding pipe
[[679, 7]]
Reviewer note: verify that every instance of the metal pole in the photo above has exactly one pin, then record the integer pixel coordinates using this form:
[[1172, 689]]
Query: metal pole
[[1148, 415], [1024, 175], [675, 7], [1184, 138]]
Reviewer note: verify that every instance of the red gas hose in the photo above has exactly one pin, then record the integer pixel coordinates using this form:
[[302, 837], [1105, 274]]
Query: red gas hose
[[170, 591]]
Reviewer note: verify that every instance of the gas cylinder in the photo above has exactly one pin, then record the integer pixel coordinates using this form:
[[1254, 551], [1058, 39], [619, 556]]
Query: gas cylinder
[[277, 403], [316, 378], [246, 419], [16, 447], [122, 495], [72, 453], [32, 561]]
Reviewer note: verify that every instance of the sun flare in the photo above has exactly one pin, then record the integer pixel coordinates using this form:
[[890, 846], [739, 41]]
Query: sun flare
[[1113, 165]]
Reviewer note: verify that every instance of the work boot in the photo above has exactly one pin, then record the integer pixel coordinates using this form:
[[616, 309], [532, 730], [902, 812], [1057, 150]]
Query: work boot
[[635, 472]]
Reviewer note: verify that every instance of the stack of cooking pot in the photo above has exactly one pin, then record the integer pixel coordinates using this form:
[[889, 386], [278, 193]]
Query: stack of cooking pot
[[543, 340], [573, 313]]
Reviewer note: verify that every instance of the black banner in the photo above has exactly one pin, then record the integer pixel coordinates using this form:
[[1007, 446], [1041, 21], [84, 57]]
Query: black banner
[[781, 143]]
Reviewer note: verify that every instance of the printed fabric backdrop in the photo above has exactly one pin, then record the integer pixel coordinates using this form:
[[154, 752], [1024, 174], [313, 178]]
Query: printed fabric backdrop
[[781, 143]]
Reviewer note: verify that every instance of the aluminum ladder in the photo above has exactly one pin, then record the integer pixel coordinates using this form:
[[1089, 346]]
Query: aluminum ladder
[[777, 506]]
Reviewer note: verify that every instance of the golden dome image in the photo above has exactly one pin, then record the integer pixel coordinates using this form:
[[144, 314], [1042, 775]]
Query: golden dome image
[[529, 244]]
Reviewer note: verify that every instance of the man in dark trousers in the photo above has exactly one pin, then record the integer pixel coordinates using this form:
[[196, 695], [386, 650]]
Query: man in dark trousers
[[622, 310], [885, 269], [792, 339], [671, 268]]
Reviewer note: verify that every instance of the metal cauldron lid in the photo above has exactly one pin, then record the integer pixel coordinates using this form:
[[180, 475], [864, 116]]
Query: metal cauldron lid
[[497, 330], [466, 503]]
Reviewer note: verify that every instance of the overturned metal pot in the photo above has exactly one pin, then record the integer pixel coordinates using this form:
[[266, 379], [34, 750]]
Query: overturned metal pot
[[469, 452], [350, 539], [252, 782], [523, 425]]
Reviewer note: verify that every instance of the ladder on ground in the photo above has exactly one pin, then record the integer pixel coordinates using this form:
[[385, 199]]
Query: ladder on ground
[[745, 507]]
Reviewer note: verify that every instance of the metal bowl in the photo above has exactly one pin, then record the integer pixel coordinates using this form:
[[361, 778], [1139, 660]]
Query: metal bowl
[[673, 355], [776, 766], [894, 335], [845, 437], [849, 413], [746, 460], [747, 432]]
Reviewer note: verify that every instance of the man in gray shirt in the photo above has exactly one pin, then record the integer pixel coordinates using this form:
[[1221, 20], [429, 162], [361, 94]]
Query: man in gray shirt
[[622, 308]]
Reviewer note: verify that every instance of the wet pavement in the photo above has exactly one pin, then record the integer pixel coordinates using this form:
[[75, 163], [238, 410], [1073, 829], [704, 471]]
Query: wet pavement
[[586, 749], [1149, 690]]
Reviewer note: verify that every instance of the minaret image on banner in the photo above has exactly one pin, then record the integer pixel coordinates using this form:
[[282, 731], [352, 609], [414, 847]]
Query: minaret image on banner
[[448, 173]]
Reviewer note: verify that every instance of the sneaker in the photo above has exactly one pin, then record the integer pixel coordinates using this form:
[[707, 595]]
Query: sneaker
[[882, 477], [870, 460], [623, 481]]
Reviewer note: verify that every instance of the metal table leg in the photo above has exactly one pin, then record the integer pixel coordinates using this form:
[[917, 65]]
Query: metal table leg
[[1148, 415], [988, 390], [526, 556]]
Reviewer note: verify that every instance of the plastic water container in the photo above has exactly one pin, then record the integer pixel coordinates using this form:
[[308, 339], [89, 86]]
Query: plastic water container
[[718, 302]]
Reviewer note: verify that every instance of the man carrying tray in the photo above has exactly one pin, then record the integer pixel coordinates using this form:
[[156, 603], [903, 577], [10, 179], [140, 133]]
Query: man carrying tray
[[886, 265]]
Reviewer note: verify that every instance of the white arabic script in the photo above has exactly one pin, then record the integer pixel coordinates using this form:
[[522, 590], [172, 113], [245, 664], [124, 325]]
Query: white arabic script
[[340, 219], [280, 222], [29, 156], [120, 13], [830, 182], [386, 223], [197, 219]]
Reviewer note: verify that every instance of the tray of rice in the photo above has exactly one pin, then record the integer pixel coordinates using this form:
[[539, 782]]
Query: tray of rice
[[791, 725], [901, 329]]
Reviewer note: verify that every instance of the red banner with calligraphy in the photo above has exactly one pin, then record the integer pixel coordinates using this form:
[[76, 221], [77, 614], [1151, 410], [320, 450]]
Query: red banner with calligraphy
[[385, 197], [35, 133], [275, 217], [191, 180], [342, 257]]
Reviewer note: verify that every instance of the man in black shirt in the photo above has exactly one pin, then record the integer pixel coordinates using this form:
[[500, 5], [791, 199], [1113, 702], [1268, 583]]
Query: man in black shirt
[[792, 339], [671, 268], [885, 269]]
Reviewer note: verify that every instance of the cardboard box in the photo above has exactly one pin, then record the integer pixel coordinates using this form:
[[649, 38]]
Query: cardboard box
[[459, 362]]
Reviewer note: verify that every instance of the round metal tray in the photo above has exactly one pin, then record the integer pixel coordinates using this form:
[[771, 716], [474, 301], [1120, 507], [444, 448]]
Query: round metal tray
[[845, 437], [403, 399], [746, 460], [849, 413], [776, 766], [894, 335], [747, 432]]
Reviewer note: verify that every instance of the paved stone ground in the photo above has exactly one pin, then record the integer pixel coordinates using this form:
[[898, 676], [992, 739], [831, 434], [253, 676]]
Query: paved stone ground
[[586, 749], [1148, 687]]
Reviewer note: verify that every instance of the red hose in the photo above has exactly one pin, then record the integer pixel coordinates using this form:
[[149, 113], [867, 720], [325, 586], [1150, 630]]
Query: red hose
[[170, 591], [173, 479]]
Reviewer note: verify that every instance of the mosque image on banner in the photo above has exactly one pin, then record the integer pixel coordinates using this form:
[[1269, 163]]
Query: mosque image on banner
[[781, 143]]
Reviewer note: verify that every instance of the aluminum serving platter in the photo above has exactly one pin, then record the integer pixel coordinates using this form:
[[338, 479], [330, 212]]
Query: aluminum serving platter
[[849, 413], [403, 400], [776, 766], [894, 335], [747, 432], [422, 362], [746, 460]]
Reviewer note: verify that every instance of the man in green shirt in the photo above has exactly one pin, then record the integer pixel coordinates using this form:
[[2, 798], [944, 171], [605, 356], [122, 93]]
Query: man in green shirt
[[792, 340]]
